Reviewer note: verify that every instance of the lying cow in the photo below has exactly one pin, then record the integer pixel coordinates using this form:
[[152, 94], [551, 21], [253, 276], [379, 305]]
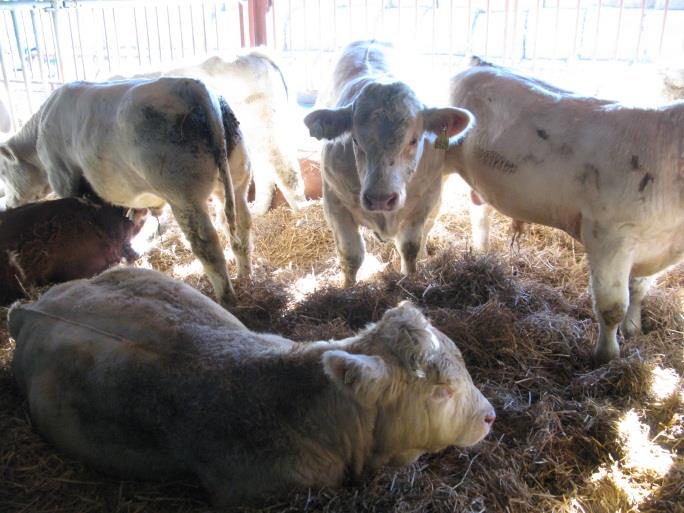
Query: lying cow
[[140, 143], [256, 90], [189, 389], [380, 168], [61, 240], [608, 175]]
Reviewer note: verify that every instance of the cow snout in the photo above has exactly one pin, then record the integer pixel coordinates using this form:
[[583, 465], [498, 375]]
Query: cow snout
[[490, 417], [381, 202]]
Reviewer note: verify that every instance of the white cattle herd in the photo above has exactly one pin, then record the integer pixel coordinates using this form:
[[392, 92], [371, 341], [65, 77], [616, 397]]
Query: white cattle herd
[[189, 388]]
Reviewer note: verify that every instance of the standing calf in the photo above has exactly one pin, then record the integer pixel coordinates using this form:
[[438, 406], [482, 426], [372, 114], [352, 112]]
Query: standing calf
[[61, 240], [380, 168], [610, 176], [189, 389], [256, 90], [138, 144]]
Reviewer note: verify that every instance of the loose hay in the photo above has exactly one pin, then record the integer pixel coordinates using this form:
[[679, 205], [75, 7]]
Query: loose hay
[[522, 318]]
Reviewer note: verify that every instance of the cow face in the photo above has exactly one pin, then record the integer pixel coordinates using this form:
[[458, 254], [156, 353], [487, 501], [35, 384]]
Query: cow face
[[23, 181], [416, 378], [389, 130]]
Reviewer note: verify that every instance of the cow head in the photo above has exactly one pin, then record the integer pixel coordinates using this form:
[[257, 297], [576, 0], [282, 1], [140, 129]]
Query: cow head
[[415, 377], [23, 181], [389, 129]]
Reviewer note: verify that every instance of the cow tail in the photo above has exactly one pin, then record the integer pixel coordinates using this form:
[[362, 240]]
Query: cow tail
[[230, 137]]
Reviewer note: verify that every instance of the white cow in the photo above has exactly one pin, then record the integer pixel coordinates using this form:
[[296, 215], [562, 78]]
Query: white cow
[[380, 168], [140, 143], [609, 175], [144, 377], [255, 88]]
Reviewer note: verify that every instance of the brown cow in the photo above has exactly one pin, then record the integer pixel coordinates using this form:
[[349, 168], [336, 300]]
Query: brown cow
[[61, 240]]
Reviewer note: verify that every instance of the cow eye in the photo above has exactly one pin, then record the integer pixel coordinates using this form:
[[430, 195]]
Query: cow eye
[[414, 141], [354, 141]]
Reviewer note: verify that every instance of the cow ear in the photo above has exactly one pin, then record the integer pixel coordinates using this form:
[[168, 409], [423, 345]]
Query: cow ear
[[329, 123], [6, 152], [364, 377], [455, 121]]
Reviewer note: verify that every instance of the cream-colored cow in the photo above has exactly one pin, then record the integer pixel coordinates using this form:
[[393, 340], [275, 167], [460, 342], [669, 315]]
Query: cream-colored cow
[[143, 376]]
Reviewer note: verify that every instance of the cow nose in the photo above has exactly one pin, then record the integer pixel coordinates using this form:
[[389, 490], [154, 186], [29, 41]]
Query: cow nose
[[490, 418], [380, 202]]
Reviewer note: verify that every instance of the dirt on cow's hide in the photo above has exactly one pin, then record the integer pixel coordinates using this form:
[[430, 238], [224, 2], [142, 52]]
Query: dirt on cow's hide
[[568, 437]]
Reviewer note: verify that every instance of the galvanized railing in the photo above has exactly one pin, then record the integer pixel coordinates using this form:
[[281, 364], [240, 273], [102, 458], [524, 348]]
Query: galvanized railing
[[46, 43]]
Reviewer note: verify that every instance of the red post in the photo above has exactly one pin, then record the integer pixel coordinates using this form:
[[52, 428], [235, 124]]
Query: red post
[[257, 10]]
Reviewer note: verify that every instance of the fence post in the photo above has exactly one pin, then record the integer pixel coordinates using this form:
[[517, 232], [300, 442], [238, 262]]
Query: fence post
[[256, 12]]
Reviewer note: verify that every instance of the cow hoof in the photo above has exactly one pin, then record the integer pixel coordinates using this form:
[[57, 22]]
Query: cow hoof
[[603, 355], [228, 299]]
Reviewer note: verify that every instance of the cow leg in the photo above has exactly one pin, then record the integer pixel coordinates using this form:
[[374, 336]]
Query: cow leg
[[196, 224], [610, 266], [241, 174], [264, 184], [638, 287], [480, 214], [348, 241], [410, 243], [288, 177]]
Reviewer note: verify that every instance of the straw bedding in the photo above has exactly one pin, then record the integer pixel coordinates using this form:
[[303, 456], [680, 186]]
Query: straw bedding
[[568, 437]]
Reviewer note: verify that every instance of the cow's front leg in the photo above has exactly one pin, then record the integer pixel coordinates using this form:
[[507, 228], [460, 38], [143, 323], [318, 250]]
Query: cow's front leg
[[480, 214], [196, 224], [409, 243], [348, 241], [610, 264], [638, 287]]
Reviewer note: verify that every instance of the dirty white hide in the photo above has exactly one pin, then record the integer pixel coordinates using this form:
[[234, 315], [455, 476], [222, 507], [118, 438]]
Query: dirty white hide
[[140, 143], [380, 168], [144, 377], [256, 90], [609, 175]]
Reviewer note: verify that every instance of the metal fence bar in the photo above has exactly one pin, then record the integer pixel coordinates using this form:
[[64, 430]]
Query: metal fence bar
[[147, 34], [641, 29], [662, 28], [21, 50], [8, 89], [619, 27], [80, 43], [192, 29], [137, 35], [56, 35], [204, 28], [39, 48], [106, 41], [576, 36], [598, 25]]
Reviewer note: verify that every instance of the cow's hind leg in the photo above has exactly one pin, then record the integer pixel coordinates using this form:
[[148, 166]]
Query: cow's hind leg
[[480, 214], [288, 176], [610, 265], [638, 287], [196, 224], [264, 183], [241, 174]]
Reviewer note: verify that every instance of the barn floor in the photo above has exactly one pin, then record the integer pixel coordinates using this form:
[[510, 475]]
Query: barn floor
[[568, 438]]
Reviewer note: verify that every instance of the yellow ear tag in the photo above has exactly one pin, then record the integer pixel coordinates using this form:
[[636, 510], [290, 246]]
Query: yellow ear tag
[[442, 141]]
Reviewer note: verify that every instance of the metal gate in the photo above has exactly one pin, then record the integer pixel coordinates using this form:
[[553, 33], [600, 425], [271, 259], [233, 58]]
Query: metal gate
[[46, 43]]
